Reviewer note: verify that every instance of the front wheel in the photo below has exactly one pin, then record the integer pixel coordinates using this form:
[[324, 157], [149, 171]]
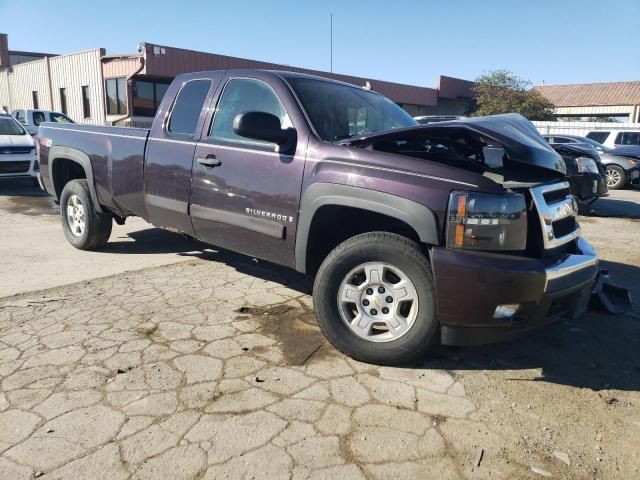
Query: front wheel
[[374, 299], [84, 227], [616, 177]]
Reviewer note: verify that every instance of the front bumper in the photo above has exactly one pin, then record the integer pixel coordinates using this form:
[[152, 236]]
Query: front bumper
[[588, 185], [18, 166], [470, 285]]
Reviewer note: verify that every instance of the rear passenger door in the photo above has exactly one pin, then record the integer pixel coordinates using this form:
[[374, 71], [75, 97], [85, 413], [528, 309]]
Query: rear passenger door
[[170, 149], [245, 192]]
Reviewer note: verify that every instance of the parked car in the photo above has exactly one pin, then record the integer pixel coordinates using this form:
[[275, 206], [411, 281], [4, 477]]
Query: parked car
[[622, 169], [412, 237], [17, 150], [426, 119], [615, 137], [31, 119], [586, 174]]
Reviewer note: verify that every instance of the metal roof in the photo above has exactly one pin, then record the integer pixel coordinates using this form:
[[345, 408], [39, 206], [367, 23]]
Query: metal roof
[[591, 94]]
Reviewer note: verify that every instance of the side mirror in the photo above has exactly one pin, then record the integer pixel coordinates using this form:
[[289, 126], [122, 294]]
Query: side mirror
[[260, 126]]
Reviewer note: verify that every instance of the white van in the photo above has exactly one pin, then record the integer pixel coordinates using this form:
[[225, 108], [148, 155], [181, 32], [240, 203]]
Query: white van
[[615, 138], [31, 119]]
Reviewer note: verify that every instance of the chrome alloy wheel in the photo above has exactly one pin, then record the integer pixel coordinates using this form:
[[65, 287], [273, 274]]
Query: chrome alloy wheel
[[76, 217], [613, 177], [378, 302]]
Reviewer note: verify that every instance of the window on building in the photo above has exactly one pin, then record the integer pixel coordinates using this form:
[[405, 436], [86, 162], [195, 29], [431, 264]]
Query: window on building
[[628, 138], [245, 95], [86, 103], [38, 118], [34, 98], [63, 100], [147, 96], [187, 108], [116, 96]]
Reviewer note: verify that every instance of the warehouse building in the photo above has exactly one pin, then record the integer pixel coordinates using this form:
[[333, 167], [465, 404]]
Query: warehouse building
[[95, 88], [595, 102]]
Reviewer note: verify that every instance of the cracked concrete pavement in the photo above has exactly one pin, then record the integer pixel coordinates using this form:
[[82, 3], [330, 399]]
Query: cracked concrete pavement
[[214, 368]]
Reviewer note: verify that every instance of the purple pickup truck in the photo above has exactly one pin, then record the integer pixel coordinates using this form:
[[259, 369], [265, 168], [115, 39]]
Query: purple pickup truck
[[461, 232]]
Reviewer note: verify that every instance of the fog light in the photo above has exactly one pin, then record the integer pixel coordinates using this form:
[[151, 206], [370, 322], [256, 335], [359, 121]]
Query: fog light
[[506, 311]]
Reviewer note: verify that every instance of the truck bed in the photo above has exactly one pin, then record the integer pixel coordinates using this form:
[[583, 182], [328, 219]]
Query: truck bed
[[114, 153]]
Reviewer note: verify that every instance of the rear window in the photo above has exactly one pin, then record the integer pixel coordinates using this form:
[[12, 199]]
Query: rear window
[[187, 108], [628, 138], [10, 126], [598, 136]]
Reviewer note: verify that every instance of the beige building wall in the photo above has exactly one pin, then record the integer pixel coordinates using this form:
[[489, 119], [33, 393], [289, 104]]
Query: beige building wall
[[72, 72], [27, 78], [48, 75]]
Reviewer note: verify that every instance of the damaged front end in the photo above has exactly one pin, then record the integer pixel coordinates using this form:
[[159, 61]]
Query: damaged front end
[[519, 256]]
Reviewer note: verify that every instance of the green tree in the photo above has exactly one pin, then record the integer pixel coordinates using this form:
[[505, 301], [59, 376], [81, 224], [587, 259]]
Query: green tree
[[501, 91]]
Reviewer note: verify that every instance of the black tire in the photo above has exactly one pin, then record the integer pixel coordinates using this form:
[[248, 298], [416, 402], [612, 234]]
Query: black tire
[[618, 172], [394, 250], [97, 226]]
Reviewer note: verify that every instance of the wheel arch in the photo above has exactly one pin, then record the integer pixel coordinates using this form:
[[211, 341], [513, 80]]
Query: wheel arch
[[419, 219], [66, 154]]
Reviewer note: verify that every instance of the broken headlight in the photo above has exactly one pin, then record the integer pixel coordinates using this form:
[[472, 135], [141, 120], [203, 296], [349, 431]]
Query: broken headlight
[[485, 221]]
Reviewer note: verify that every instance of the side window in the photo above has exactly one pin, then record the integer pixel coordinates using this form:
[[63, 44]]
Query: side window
[[20, 116], [628, 138], [561, 140], [188, 106], [245, 95], [38, 118], [599, 136], [59, 118]]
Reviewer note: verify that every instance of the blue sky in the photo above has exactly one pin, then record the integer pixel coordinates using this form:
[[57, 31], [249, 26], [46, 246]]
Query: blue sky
[[411, 42]]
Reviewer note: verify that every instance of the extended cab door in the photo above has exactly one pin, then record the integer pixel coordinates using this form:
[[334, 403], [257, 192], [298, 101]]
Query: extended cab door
[[245, 193], [170, 149]]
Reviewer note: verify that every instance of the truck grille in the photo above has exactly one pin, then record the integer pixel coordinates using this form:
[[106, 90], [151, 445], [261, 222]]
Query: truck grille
[[557, 210], [14, 167]]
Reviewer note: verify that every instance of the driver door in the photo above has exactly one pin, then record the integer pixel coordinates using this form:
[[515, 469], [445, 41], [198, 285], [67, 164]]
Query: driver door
[[245, 192]]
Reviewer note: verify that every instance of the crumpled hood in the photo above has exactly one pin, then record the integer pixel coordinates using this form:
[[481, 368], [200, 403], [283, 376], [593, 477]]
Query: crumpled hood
[[518, 137]]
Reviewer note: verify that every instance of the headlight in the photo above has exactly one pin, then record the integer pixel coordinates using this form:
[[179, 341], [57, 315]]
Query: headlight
[[484, 221], [586, 165]]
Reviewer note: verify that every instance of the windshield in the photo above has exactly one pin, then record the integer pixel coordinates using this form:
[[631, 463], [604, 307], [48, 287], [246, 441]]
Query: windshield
[[9, 126], [339, 111], [595, 144]]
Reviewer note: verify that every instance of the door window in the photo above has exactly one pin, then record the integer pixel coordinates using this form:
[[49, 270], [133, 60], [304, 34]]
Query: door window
[[38, 118], [245, 95], [59, 118], [628, 138], [561, 140], [188, 106]]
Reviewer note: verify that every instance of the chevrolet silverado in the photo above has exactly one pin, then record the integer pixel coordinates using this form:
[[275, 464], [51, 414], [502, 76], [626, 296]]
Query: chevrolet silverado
[[460, 232]]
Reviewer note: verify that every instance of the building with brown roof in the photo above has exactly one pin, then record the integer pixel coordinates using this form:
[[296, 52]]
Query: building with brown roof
[[127, 89], [615, 101]]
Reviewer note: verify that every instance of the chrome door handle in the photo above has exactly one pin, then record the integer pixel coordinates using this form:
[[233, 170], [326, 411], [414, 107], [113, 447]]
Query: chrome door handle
[[210, 161]]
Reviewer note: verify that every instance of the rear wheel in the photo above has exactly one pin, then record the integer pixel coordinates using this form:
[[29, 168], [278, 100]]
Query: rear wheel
[[374, 299], [616, 177], [84, 228]]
